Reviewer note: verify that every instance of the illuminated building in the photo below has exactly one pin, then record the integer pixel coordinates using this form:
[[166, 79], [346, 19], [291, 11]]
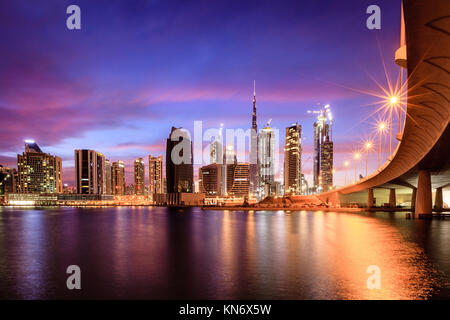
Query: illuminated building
[[229, 155], [216, 148], [8, 178], [210, 179], [108, 177], [38, 172], [129, 189], [326, 164], [321, 135], [293, 160], [238, 179], [118, 177], [155, 175], [267, 160], [179, 165], [90, 172], [139, 176], [253, 157]]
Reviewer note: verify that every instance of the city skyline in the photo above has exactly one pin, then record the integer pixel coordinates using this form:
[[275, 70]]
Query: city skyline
[[115, 94]]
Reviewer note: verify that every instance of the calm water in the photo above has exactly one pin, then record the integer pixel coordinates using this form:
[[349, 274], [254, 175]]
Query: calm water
[[160, 253]]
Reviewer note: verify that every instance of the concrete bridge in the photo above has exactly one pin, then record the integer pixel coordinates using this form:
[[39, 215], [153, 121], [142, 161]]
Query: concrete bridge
[[421, 162]]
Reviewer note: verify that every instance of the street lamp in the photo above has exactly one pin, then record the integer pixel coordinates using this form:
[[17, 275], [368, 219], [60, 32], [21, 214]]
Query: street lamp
[[381, 128], [393, 100], [368, 145], [346, 163], [357, 155]]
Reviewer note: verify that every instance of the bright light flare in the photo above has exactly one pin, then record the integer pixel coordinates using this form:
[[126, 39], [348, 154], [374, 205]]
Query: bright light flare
[[368, 145], [393, 100]]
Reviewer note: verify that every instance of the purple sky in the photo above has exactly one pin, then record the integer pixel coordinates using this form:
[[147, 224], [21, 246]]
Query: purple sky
[[138, 67]]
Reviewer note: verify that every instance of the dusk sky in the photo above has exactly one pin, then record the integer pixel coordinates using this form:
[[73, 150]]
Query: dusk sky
[[136, 68]]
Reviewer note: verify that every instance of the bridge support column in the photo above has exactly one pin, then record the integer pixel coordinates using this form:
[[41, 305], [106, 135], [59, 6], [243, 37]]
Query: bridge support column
[[423, 198], [370, 203], [413, 198], [438, 201], [392, 199]]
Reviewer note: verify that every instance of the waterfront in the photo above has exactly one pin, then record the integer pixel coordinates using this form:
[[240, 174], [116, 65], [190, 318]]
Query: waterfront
[[161, 253]]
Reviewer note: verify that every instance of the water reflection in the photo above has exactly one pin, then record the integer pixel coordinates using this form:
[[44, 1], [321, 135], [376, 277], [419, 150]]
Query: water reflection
[[160, 253]]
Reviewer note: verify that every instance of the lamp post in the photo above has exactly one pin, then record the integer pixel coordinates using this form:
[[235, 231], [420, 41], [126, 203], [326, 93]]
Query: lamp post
[[356, 156], [346, 163], [368, 146], [381, 130], [393, 100]]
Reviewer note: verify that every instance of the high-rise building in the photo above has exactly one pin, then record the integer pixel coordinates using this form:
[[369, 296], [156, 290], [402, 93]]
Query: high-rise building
[[238, 179], [322, 139], [293, 160], [229, 155], [326, 165], [108, 177], [90, 172], [8, 177], [216, 148], [38, 172], [210, 179], [267, 160], [139, 176], [118, 177], [179, 162], [155, 175], [253, 158]]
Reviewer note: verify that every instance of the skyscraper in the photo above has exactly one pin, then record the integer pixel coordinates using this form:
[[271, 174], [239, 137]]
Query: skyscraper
[[8, 178], [293, 160], [155, 175], [210, 179], [322, 140], [229, 155], [267, 160], [326, 165], [216, 148], [38, 172], [179, 162], [253, 158], [118, 177], [139, 176], [108, 177], [90, 172], [238, 179]]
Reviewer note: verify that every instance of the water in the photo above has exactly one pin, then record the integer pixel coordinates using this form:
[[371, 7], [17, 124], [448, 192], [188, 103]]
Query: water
[[161, 253]]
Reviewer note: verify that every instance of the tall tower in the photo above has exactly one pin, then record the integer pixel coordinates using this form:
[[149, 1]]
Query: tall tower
[[293, 160], [326, 164], [179, 173], [38, 172], [254, 159], [139, 176], [118, 177], [155, 175], [323, 151], [216, 148], [90, 172], [268, 159]]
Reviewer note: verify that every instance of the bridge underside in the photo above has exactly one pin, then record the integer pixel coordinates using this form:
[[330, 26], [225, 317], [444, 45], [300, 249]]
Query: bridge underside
[[421, 163]]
